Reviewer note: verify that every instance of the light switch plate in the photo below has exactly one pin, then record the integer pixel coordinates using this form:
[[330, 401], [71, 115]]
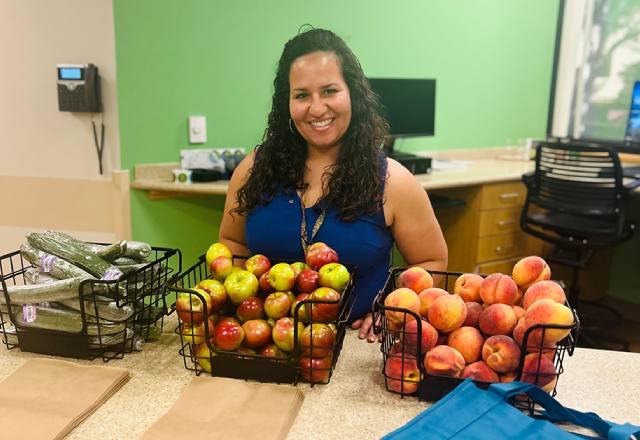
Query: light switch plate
[[197, 129]]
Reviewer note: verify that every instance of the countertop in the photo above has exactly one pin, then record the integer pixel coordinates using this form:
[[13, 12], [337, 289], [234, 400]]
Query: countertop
[[471, 167], [354, 404]]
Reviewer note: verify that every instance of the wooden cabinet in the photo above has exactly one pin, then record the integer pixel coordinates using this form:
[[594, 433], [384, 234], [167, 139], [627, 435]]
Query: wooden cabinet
[[484, 235]]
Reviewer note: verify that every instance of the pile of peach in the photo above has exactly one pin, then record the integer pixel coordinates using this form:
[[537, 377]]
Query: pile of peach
[[477, 331]]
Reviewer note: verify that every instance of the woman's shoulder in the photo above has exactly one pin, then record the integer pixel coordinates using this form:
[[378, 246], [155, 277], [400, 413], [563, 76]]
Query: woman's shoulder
[[397, 176]]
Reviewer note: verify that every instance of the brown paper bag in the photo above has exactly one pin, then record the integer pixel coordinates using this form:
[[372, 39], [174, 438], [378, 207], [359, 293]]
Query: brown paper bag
[[47, 398], [216, 407]]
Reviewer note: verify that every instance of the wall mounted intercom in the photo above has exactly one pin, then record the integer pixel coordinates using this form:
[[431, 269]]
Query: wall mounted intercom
[[79, 88]]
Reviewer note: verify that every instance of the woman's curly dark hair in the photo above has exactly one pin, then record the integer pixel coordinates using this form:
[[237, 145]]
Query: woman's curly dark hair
[[355, 183]]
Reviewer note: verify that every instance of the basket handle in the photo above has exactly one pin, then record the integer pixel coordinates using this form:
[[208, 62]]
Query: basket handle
[[555, 412]]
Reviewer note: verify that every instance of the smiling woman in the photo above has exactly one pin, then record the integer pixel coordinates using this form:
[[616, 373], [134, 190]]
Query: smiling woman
[[320, 175]]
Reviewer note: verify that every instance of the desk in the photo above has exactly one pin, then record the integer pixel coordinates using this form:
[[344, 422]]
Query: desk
[[482, 236], [353, 405]]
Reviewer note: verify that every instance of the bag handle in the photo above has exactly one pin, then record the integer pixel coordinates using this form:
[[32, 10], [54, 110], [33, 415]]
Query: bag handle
[[555, 412]]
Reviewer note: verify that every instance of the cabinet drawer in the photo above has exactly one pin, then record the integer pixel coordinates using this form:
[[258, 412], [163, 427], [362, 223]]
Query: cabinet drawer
[[496, 221], [500, 266], [503, 195], [497, 247]]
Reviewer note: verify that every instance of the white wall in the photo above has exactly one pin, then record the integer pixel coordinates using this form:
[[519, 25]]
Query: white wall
[[48, 163], [35, 138]]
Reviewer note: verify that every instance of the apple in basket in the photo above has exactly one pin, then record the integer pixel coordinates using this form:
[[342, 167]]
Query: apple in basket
[[319, 254], [203, 356], [228, 335], [277, 305], [283, 333], [221, 267], [307, 281], [216, 250], [257, 333], [322, 311], [334, 275], [315, 370], [282, 277], [195, 334], [240, 286], [272, 350], [317, 340], [191, 308], [216, 291], [298, 267], [257, 265], [250, 308]]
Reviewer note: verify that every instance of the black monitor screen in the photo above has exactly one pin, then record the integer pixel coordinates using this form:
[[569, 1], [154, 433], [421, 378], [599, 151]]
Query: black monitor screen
[[409, 104]]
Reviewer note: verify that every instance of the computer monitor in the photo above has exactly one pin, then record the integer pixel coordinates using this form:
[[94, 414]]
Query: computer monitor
[[409, 106]]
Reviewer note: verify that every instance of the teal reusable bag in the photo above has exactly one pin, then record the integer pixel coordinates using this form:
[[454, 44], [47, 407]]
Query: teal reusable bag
[[471, 413]]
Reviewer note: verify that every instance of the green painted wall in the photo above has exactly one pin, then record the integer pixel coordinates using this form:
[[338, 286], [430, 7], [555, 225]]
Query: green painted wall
[[492, 60]]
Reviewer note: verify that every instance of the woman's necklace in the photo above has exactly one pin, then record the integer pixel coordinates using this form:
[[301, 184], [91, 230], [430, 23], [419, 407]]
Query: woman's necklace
[[304, 241]]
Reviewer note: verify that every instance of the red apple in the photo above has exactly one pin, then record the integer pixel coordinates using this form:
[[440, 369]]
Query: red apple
[[240, 286], [221, 267], [272, 350], [257, 265], [307, 280], [283, 333], [216, 291], [191, 308], [319, 254], [334, 275], [304, 312], [265, 286], [402, 374], [282, 277], [277, 305], [228, 335], [217, 250], [317, 340], [257, 333], [316, 370], [298, 267], [250, 308], [328, 310]]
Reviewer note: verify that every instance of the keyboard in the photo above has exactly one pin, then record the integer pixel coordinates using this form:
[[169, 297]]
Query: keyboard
[[631, 172]]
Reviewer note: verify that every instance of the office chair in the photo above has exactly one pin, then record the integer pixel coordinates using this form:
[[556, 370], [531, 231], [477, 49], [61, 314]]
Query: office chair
[[577, 200]]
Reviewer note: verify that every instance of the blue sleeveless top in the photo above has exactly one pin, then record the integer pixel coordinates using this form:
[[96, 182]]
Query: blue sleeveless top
[[273, 229]]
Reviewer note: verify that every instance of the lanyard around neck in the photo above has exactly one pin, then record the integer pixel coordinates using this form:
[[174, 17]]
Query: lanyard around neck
[[303, 226]]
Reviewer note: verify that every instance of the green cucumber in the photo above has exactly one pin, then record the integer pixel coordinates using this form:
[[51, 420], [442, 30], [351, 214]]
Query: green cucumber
[[46, 292]]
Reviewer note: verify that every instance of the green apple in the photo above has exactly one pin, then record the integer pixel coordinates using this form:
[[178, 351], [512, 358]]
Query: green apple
[[217, 250], [333, 275], [240, 286], [282, 277]]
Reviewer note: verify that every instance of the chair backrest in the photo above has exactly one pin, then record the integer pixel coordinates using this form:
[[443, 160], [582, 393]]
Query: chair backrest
[[578, 180], [576, 196]]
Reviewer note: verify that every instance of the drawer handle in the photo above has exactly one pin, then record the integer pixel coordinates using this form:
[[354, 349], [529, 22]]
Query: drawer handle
[[509, 196], [504, 223], [503, 250]]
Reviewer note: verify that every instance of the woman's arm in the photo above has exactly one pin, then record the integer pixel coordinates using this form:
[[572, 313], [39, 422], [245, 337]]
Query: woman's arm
[[232, 226], [414, 226]]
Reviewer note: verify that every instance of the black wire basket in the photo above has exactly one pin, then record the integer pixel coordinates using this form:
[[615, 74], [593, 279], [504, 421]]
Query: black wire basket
[[107, 318], [306, 363], [430, 387]]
